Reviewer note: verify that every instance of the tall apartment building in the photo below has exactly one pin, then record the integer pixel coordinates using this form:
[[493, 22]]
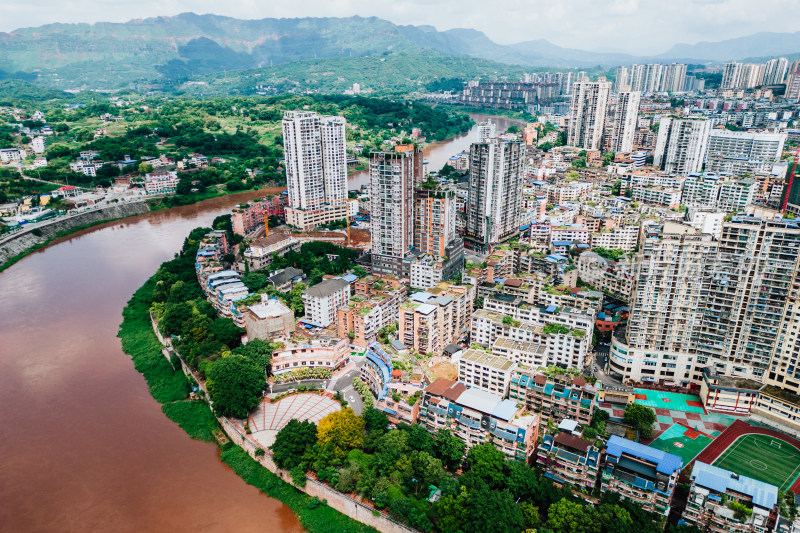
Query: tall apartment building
[[486, 131], [731, 75], [587, 113], [621, 79], [393, 176], [673, 78], [316, 168], [495, 192], [671, 282], [743, 152], [681, 145], [775, 71], [623, 122], [429, 321], [440, 251], [793, 86], [748, 296]]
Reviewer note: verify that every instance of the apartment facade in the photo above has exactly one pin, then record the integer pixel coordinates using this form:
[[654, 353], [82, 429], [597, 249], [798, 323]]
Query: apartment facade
[[316, 168], [569, 460], [478, 417], [328, 353], [554, 396], [323, 299], [393, 176], [641, 474], [681, 145], [495, 192], [588, 111]]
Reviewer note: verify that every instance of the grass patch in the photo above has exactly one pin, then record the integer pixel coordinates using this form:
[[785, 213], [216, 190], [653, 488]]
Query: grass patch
[[315, 519], [195, 418], [140, 342]]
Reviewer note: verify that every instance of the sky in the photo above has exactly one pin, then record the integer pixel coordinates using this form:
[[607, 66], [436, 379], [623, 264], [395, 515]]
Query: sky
[[639, 27]]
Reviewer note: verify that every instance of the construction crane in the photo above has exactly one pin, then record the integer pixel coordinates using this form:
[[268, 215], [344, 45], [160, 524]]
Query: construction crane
[[791, 179]]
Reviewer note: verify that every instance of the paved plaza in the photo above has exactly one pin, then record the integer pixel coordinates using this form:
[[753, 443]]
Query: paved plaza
[[268, 418]]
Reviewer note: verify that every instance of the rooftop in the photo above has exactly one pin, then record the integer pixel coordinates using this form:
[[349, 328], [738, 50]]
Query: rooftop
[[447, 388], [270, 308], [666, 463], [327, 287], [486, 359], [721, 480]]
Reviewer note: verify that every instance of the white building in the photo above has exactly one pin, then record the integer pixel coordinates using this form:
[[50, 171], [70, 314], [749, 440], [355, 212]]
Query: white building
[[745, 152], [485, 371], [587, 113], [316, 168], [161, 182], [323, 299], [624, 121], [681, 145], [619, 238], [38, 145]]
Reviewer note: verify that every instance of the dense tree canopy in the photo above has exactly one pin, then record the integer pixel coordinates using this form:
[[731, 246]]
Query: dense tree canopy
[[236, 385]]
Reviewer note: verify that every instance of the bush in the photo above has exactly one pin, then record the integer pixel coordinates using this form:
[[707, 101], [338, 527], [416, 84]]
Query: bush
[[298, 476]]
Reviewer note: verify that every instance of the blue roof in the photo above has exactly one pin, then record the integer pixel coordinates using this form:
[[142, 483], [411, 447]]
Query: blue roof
[[505, 410], [666, 463], [350, 278], [720, 480], [550, 309], [562, 243], [383, 364], [421, 296]]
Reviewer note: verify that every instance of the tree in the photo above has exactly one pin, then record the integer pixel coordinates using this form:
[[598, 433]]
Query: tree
[[292, 442], [390, 448], [258, 351], [374, 420], [449, 448], [226, 332], [419, 438], [640, 417], [236, 385], [344, 429], [484, 464], [493, 510], [144, 168], [565, 516], [359, 271]]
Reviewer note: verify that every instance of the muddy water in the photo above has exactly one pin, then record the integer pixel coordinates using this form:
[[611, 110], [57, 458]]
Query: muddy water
[[437, 154], [83, 446]]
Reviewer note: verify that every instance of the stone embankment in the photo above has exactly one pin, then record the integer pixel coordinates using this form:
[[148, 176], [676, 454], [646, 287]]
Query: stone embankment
[[25, 239]]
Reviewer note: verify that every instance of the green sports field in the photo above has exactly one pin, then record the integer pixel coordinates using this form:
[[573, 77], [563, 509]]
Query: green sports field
[[682, 441], [762, 457]]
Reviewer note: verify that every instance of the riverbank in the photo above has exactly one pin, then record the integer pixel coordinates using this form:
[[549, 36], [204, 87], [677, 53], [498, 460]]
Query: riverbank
[[26, 242], [170, 387]]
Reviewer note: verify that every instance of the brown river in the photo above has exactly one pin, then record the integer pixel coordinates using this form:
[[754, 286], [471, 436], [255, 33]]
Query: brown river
[[84, 447]]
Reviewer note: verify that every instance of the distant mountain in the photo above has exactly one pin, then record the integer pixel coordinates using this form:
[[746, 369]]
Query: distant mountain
[[106, 55], [765, 44]]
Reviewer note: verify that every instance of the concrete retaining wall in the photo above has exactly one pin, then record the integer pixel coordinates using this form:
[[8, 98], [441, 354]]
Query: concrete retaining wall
[[23, 240]]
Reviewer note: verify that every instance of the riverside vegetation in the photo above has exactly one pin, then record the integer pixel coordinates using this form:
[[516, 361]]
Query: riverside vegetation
[[396, 469]]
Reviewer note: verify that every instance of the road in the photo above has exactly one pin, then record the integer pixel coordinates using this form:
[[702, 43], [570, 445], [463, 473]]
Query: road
[[344, 383]]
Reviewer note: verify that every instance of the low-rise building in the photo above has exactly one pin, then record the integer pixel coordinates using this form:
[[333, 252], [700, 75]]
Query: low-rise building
[[259, 253], [712, 494], [328, 353], [479, 417], [554, 396], [161, 182], [401, 403], [641, 474], [269, 319], [524, 353], [323, 299], [482, 370], [569, 460]]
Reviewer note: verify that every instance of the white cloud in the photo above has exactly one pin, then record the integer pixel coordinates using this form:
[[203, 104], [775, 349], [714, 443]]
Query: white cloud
[[637, 26]]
